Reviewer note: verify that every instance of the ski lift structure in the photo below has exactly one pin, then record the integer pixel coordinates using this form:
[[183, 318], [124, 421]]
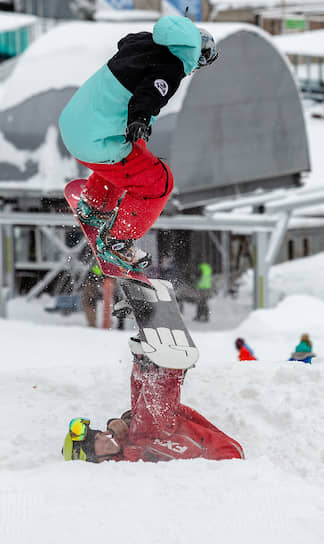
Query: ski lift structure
[[270, 217]]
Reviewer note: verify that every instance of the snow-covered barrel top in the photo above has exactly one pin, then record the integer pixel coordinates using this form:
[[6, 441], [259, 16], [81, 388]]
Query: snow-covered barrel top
[[237, 123], [15, 21]]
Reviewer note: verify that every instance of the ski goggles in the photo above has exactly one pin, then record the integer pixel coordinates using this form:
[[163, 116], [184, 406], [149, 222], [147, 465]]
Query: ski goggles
[[209, 52], [78, 428]]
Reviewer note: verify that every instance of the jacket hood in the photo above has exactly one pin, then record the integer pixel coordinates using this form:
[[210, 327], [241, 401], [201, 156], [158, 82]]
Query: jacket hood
[[181, 36]]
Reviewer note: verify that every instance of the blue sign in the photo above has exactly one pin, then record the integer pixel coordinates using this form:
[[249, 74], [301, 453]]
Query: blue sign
[[121, 4], [194, 8]]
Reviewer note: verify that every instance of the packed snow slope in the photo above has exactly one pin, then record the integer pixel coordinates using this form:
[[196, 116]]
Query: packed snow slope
[[274, 408]]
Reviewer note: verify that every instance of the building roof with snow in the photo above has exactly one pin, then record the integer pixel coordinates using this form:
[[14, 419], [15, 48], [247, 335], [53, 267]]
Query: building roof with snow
[[14, 21], [309, 44]]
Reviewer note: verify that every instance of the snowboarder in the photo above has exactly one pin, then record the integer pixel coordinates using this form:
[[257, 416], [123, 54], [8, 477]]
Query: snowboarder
[[158, 427], [303, 351], [245, 352], [107, 122]]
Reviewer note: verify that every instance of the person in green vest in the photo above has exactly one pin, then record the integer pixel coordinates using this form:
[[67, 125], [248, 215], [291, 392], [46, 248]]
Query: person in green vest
[[203, 286]]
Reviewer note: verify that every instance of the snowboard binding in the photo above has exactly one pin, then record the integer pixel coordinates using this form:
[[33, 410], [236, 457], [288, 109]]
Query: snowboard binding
[[92, 221], [123, 309], [122, 253], [90, 216]]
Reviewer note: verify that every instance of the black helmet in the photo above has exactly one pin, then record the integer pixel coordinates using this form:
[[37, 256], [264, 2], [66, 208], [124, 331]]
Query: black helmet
[[208, 49]]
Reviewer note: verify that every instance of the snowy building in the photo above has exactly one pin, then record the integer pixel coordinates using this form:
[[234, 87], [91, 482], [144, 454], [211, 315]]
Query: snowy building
[[231, 129], [306, 52], [292, 18], [17, 32]]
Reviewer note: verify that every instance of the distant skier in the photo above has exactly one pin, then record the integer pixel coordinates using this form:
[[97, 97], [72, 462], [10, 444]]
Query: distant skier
[[303, 351], [204, 287], [158, 427], [245, 352], [107, 121]]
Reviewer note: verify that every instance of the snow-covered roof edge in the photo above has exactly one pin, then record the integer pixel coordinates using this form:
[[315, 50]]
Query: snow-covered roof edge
[[14, 21], [302, 43]]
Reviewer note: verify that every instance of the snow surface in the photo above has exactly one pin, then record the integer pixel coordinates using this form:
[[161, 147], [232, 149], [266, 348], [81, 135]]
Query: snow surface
[[51, 373], [302, 43], [239, 4], [13, 21]]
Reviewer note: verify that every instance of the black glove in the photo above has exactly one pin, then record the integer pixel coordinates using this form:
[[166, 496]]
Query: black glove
[[137, 130]]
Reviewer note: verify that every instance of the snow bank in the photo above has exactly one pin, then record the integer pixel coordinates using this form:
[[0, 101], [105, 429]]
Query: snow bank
[[274, 408], [297, 277]]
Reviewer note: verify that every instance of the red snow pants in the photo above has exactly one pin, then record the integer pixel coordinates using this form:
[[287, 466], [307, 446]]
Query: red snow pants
[[147, 182], [164, 429]]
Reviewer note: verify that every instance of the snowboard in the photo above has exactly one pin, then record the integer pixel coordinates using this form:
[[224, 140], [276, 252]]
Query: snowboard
[[164, 337], [72, 194]]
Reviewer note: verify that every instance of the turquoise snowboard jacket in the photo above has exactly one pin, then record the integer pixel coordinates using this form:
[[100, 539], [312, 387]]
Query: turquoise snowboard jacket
[[94, 122]]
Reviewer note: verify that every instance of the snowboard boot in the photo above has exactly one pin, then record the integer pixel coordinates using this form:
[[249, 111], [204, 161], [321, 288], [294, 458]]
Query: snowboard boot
[[92, 216], [122, 253], [123, 309]]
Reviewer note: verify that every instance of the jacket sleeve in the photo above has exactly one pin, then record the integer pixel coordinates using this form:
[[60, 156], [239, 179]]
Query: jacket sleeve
[[154, 92]]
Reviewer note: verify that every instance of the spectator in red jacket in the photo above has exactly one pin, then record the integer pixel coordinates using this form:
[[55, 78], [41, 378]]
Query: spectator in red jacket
[[245, 352], [157, 428]]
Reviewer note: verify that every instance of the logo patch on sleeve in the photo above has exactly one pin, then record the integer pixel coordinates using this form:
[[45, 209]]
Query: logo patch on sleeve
[[161, 86]]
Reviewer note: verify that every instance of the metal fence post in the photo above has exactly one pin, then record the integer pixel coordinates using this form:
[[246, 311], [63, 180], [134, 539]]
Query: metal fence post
[[261, 271], [3, 312]]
